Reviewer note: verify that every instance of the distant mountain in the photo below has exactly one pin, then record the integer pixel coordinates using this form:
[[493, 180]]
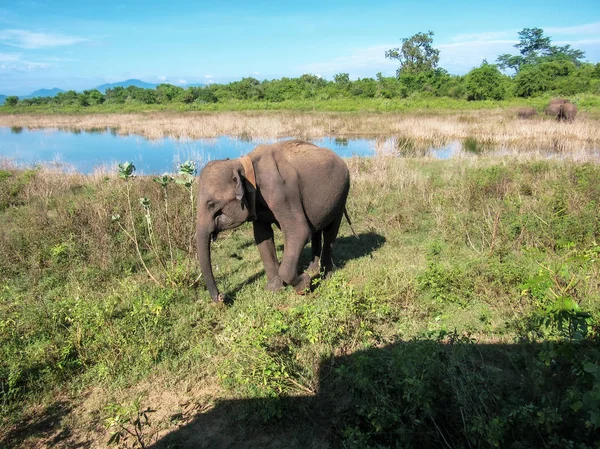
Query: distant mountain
[[132, 82], [44, 93], [102, 88]]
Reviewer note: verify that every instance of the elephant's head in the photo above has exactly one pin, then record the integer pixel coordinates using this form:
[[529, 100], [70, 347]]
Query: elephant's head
[[223, 203]]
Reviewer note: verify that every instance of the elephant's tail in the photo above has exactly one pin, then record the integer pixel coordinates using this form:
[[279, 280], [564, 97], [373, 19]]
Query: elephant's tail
[[349, 222]]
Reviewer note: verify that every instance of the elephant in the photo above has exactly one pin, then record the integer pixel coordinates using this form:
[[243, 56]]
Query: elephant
[[526, 112], [297, 186], [554, 110], [568, 111], [558, 101], [562, 111]]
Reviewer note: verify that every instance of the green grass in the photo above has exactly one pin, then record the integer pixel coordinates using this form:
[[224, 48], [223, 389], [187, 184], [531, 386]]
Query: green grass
[[422, 103], [466, 312]]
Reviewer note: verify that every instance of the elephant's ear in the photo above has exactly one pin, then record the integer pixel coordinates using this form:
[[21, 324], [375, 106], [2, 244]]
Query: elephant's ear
[[239, 188]]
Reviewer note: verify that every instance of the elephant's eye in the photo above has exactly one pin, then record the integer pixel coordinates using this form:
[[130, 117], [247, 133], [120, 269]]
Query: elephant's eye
[[210, 204]]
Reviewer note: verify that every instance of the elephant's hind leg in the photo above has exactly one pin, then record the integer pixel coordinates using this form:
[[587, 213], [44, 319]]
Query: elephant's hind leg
[[329, 235], [315, 246]]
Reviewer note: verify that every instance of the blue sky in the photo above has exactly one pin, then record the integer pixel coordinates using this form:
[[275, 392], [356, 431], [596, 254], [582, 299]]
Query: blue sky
[[81, 44]]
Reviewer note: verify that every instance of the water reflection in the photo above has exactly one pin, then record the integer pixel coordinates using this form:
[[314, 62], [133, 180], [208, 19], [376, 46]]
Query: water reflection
[[85, 150], [104, 147], [341, 141]]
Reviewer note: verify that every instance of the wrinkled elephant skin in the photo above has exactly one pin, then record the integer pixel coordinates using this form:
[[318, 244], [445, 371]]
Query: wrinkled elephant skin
[[299, 187]]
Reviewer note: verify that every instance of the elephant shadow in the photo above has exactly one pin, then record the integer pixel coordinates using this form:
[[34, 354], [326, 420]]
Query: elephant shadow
[[350, 247], [345, 249]]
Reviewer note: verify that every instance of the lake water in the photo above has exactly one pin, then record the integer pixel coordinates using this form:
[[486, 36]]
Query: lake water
[[86, 150]]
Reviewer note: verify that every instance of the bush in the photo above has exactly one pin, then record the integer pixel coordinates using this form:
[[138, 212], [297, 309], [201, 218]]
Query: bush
[[11, 101], [485, 83]]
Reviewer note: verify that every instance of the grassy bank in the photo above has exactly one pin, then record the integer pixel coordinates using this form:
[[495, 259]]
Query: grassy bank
[[465, 314], [417, 104]]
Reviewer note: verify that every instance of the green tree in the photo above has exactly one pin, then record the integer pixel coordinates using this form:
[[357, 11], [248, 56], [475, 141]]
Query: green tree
[[416, 55], [532, 42], [485, 83], [117, 95], [535, 48], [343, 79], [204, 94], [11, 101], [166, 93], [247, 89], [93, 97]]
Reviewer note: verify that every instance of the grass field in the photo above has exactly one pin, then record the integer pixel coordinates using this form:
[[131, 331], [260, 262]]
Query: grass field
[[418, 103], [465, 314]]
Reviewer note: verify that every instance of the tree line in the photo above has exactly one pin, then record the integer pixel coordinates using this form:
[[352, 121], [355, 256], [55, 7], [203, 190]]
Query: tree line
[[539, 68]]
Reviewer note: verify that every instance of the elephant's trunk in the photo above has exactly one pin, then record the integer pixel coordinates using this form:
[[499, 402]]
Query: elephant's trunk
[[203, 249]]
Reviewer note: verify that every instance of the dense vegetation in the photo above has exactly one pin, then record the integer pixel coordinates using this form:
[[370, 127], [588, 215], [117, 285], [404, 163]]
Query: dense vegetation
[[465, 314], [541, 69]]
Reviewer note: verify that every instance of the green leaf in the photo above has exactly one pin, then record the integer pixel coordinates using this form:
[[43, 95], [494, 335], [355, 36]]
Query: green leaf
[[126, 170]]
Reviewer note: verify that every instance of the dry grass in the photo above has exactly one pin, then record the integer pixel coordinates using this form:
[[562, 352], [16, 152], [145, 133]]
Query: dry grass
[[500, 128]]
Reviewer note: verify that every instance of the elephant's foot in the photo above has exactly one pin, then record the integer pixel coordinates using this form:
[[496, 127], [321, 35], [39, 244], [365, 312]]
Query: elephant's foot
[[220, 299], [313, 269], [303, 284], [274, 285], [327, 271]]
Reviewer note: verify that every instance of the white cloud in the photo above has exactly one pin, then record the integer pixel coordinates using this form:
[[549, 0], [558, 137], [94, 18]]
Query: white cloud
[[31, 40], [578, 30], [162, 78], [9, 57], [361, 62], [14, 62], [487, 36], [460, 53], [460, 57], [468, 50]]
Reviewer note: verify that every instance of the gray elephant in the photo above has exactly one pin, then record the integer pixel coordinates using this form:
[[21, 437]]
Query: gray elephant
[[298, 186], [568, 111], [562, 111], [558, 101], [526, 113], [554, 110]]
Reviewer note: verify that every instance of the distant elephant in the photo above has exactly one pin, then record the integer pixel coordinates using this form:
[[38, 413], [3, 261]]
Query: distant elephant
[[568, 111], [558, 101], [563, 111], [298, 186], [554, 110], [526, 112]]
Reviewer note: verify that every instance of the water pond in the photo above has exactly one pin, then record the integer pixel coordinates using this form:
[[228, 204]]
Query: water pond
[[87, 150]]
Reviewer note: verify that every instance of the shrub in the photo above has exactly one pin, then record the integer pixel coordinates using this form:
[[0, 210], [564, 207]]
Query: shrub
[[485, 83]]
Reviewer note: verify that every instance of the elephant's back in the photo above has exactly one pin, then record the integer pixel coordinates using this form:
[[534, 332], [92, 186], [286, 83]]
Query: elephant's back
[[318, 175], [323, 181]]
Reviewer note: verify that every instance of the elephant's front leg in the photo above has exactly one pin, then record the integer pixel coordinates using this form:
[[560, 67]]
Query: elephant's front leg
[[294, 240], [263, 235]]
